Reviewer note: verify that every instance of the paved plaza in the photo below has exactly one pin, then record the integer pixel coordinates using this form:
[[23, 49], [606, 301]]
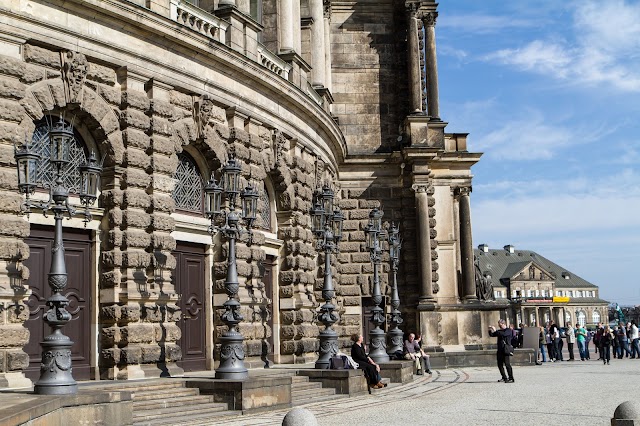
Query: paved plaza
[[561, 393]]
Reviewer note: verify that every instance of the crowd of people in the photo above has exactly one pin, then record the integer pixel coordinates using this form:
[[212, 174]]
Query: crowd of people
[[617, 342]]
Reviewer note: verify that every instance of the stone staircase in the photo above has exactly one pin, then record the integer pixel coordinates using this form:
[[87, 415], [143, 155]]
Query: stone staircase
[[171, 403], [305, 392]]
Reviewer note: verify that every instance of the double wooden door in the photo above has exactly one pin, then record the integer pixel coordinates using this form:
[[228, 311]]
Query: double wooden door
[[189, 281], [77, 245]]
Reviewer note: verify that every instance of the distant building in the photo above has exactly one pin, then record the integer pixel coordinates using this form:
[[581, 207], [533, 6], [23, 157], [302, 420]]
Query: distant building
[[539, 290]]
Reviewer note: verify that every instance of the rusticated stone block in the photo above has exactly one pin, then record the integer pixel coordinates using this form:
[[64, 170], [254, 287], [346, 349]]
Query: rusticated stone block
[[111, 314], [163, 241], [136, 259], [351, 269], [173, 313], [167, 332], [137, 333], [110, 94], [138, 158], [162, 222], [161, 108], [11, 111], [134, 138], [137, 238], [110, 336], [112, 197], [17, 360], [101, 74], [41, 56], [287, 317], [351, 301], [14, 226], [151, 313], [163, 145], [304, 315], [288, 332], [115, 238], [163, 203], [287, 347], [130, 312], [110, 357], [286, 291], [165, 164], [138, 178], [161, 126], [182, 100], [131, 355], [136, 100], [17, 313], [361, 257], [110, 123], [136, 219], [12, 248], [134, 118], [111, 259], [308, 331], [172, 352], [13, 336], [136, 198], [150, 354]]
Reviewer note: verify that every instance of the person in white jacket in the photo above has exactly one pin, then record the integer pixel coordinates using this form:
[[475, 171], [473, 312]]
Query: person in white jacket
[[635, 346], [571, 339]]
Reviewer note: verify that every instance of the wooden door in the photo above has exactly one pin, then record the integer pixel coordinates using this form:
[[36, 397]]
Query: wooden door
[[189, 281], [268, 281], [77, 245]]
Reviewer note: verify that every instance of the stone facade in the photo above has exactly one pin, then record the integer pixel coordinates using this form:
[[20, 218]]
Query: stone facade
[[302, 94]]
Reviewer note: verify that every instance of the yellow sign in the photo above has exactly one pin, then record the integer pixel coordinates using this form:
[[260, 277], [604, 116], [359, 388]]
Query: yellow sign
[[558, 299]]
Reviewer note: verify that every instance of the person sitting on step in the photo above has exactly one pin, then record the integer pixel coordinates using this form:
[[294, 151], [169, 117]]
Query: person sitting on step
[[412, 350]]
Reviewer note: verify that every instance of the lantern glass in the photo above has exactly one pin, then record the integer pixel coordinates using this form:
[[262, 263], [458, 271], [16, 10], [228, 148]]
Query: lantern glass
[[213, 195], [316, 218], [27, 163], [60, 137], [337, 220], [371, 237], [249, 203], [231, 174], [326, 198], [90, 176], [375, 219]]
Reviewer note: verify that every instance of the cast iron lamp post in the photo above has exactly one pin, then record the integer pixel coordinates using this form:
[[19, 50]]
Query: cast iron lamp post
[[375, 236], [231, 351], [395, 334], [55, 369], [327, 228]]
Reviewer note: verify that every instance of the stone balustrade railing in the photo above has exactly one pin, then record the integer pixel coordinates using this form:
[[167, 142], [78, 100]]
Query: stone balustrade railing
[[197, 19], [273, 63]]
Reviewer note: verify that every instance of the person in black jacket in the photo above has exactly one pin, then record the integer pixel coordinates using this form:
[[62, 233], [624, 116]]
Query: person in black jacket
[[504, 335], [371, 369]]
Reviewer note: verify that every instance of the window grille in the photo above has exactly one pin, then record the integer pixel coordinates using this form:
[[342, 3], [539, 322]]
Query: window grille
[[188, 193], [265, 210], [46, 173]]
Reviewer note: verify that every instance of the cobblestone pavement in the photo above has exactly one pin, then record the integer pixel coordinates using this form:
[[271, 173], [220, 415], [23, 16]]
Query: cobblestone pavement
[[561, 393]]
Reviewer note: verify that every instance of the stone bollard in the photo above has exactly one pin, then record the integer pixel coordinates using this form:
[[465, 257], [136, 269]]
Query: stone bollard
[[627, 414], [299, 417]]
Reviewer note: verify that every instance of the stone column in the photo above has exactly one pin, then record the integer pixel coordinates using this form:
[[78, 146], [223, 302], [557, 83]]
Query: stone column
[[296, 27], [413, 60], [466, 246], [538, 322], [224, 3], [317, 43], [286, 26], [327, 44], [431, 63], [424, 244]]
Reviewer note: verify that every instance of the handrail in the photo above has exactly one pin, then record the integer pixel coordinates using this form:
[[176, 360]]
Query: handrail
[[273, 63]]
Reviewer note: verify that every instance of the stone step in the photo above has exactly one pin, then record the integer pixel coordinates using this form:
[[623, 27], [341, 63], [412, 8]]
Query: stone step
[[310, 393], [180, 412], [313, 399], [140, 385], [196, 419], [147, 395], [153, 404], [305, 385], [299, 379]]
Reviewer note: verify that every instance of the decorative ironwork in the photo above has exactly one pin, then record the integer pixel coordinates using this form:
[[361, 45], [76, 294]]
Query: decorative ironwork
[[188, 192], [395, 333], [265, 211], [46, 173]]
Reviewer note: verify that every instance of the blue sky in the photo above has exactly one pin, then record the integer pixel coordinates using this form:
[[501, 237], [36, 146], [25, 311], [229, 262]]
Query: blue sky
[[549, 92]]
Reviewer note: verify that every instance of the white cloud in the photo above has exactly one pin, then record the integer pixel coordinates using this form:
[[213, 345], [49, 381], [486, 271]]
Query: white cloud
[[605, 48], [532, 136]]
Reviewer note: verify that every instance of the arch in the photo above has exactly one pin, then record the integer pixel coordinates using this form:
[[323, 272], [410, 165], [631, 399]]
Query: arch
[[581, 318], [595, 317], [95, 114]]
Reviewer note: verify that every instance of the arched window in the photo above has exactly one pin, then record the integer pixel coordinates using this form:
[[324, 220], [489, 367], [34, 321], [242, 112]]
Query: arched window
[[265, 210], [595, 318], [46, 173], [582, 318], [188, 193], [567, 317]]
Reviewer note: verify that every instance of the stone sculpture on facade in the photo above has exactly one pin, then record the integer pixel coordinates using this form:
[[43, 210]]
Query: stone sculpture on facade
[[484, 287], [74, 70]]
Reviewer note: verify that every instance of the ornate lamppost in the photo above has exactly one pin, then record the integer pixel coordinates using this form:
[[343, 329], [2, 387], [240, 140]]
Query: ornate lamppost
[[55, 369], [231, 351], [327, 228], [395, 334], [375, 236]]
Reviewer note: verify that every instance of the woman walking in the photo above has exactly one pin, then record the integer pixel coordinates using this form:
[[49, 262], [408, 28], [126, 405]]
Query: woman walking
[[605, 344]]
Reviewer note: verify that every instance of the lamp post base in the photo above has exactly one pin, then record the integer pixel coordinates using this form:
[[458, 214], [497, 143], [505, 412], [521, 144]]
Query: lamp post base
[[377, 351], [396, 341], [328, 348], [231, 357]]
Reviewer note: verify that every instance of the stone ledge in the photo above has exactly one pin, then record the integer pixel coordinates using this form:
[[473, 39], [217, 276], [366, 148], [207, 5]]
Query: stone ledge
[[478, 358], [397, 371], [349, 382], [106, 407], [250, 396]]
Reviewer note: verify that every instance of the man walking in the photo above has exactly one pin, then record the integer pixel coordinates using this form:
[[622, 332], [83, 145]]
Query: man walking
[[554, 332], [581, 338]]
